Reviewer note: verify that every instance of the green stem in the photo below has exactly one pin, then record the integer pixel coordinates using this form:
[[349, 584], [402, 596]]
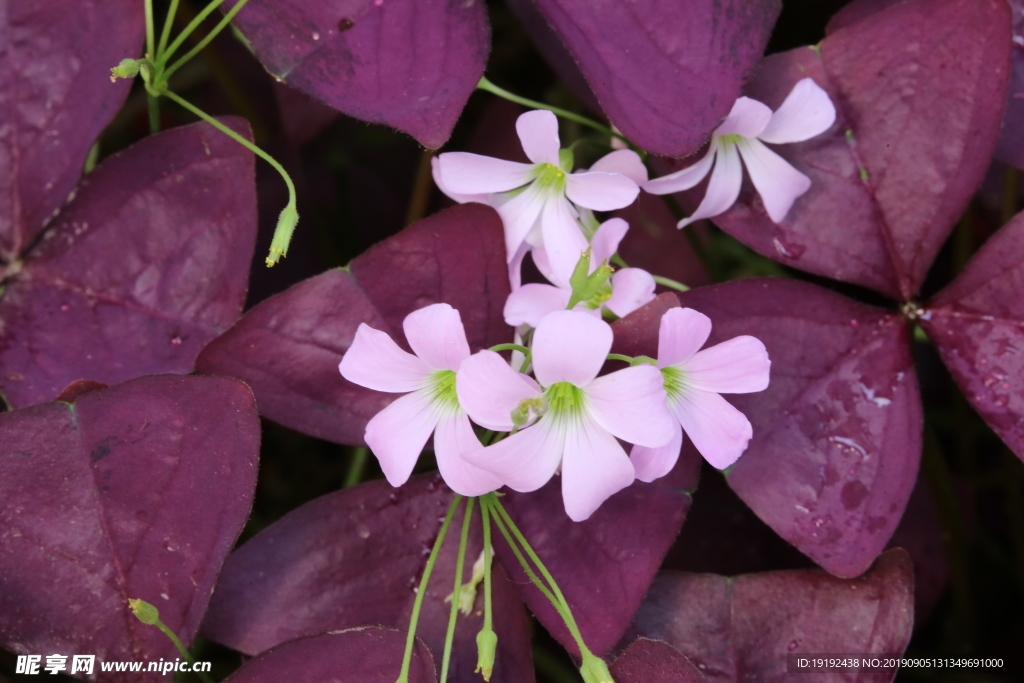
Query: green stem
[[486, 521], [410, 641], [671, 284], [509, 347], [192, 26], [166, 33], [459, 562], [205, 41], [153, 107], [184, 653], [356, 466], [619, 356], [617, 260], [519, 556], [150, 32]]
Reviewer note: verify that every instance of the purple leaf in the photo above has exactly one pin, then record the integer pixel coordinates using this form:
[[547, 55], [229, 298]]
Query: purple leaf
[[356, 557], [837, 434], [56, 96], [361, 655], [147, 264], [666, 74], [288, 347], [977, 324], [654, 661], [135, 491], [745, 628], [882, 201], [408, 64]]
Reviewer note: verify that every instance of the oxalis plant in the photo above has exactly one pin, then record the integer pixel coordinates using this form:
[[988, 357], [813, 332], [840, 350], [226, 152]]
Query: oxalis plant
[[664, 243]]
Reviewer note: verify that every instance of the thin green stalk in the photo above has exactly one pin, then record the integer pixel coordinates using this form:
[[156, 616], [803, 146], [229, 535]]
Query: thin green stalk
[[356, 466], [150, 31], [509, 347], [153, 107], [486, 521], [410, 641], [205, 41], [671, 284], [618, 260], [484, 500], [184, 653], [148, 614], [166, 33], [459, 562], [619, 356], [192, 26]]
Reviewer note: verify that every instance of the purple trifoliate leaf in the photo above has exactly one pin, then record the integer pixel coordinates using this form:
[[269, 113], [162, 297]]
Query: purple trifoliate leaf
[[837, 434], [56, 97], [288, 347], [744, 628], [977, 324], [133, 491], [654, 661], [666, 74], [356, 557], [882, 201], [408, 64], [146, 264], [360, 655]]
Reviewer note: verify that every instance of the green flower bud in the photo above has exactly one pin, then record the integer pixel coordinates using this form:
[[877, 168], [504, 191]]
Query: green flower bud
[[144, 611], [128, 68], [486, 646], [565, 159], [286, 223], [594, 670]]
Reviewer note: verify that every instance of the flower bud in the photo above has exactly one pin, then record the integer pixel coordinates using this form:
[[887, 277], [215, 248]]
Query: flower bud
[[128, 68], [486, 646], [594, 670], [286, 223], [144, 611]]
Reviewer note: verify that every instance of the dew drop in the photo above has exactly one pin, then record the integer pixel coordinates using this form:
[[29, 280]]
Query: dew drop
[[175, 341], [316, 36], [792, 645], [363, 531], [345, 24]]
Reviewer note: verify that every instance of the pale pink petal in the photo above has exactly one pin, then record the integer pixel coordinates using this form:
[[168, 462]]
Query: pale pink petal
[[466, 173], [519, 214], [397, 434], [543, 263], [538, 133], [778, 183], [489, 390], [718, 430], [531, 302], [601, 191], [564, 242], [624, 161], [594, 467], [737, 366], [376, 362], [435, 170], [524, 461], [570, 346], [748, 118], [453, 437], [436, 335], [605, 241], [685, 178], [681, 334], [630, 404], [654, 463], [515, 266], [724, 186], [808, 111], [631, 289]]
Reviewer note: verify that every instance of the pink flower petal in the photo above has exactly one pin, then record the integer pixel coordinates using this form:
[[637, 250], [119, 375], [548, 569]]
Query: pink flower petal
[[515, 266], [681, 334], [538, 133], [436, 335], [737, 366], [718, 430], [624, 161], [594, 467], [564, 242], [655, 463], [453, 437], [531, 302], [570, 346], [605, 241], [601, 191], [519, 215], [376, 362], [435, 171], [778, 183], [630, 404], [397, 434], [524, 461], [686, 178], [747, 118], [489, 390], [631, 289], [808, 111], [465, 173], [724, 186]]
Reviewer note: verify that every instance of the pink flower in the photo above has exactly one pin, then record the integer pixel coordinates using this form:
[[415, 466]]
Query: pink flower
[[542, 211], [693, 381], [398, 433], [576, 415], [807, 112]]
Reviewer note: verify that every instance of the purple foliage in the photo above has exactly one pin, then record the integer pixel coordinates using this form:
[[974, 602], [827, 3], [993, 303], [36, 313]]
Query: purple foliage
[[654, 661]]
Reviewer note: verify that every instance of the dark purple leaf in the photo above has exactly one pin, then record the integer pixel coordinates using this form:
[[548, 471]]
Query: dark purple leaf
[[288, 347], [56, 96], [409, 64], [744, 628], [356, 557], [883, 200], [359, 655], [857, 11], [654, 661], [977, 324], [147, 264], [135, 491], [666, 74], [837, 434], [921, 534], [1010, 148]]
